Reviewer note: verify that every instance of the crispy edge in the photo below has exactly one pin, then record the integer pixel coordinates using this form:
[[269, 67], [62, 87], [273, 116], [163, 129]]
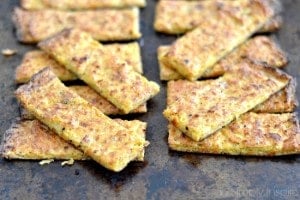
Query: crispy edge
[[21, 22], [65, 5], [281, 102]]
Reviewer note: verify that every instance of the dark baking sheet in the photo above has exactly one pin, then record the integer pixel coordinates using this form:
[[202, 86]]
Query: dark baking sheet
[[165, 174]]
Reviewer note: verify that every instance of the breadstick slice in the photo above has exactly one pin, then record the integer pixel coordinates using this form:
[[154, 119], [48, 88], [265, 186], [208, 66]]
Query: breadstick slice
[[252, 134], [111, 77], [202, 111], [78, 122]]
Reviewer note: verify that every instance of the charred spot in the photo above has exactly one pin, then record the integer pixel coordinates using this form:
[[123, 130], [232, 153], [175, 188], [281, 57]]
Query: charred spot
[[79, 60], [186, 61], [76, 172], [187, 128], [63, 129], [199, 7], [219, 5], [86, 139], [275, 136]]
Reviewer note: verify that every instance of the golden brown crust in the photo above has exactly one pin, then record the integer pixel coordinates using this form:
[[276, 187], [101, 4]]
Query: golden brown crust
[[96, 100], [216, 36], [111, 25], [100, 69], [283, 101], [252, 135], [273, 25], [259, 49], [79, 4], [34, 61], [78, 122], [202, 111], [31, 140], [180, 16], [101, 103]]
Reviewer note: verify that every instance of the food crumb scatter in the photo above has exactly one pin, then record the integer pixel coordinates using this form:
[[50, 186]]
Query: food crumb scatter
[[46, 162], [8, 52]]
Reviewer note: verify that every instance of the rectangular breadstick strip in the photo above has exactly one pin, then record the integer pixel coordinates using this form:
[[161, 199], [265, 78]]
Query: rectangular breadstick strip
[[100, 69], [103, 25], [216, 36], [34, 61], [281, 102], [259, 49], [202, 111], [252, 134], [78, 122], [96, 100], [180, 16], [79, 4], [31, 140]]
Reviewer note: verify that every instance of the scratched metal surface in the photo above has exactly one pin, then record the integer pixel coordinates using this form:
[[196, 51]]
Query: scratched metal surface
[[165, 174]]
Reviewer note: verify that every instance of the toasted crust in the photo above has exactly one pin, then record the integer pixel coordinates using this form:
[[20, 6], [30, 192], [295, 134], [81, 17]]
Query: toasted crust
[[31, 140], [273, 25], [111, 25], [101, 103], [202, 111], [178, 17], [96, 100], [283, 101], [34, 61], [78, 122], [79, 4], [104, 72], [216, 36], [252, 135], [259, 49]]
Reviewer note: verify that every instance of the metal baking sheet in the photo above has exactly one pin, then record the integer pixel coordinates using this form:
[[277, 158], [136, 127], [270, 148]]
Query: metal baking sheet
[[165, 174]]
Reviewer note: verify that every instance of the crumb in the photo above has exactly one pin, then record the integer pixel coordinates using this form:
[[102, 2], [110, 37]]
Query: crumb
[[76, 172], [68, 162], [46, 162], [8, 52]]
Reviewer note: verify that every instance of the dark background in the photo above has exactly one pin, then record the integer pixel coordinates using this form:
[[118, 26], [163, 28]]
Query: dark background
[[165, 174]]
